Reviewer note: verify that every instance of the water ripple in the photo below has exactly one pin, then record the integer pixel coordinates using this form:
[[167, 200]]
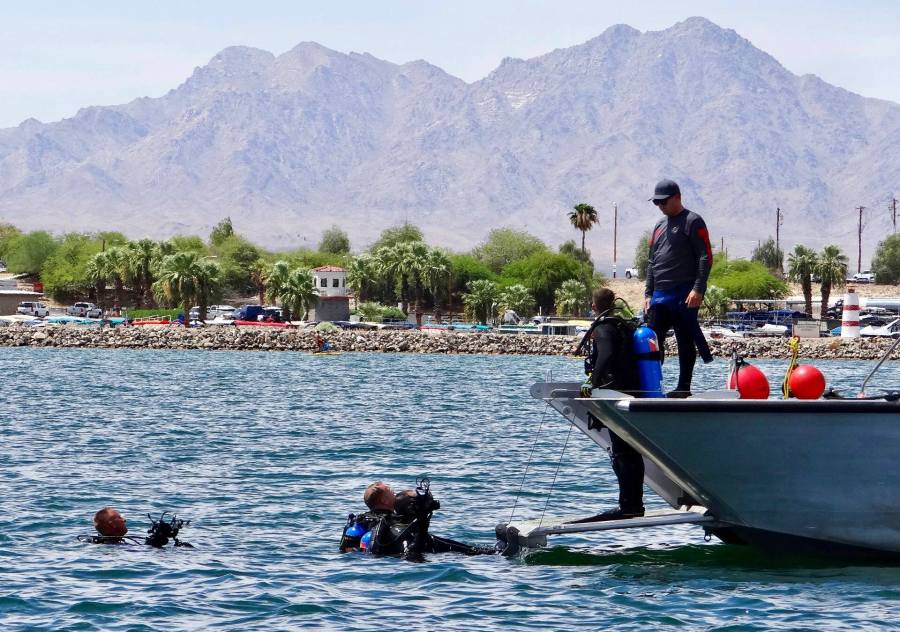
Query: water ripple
[[266, 453]]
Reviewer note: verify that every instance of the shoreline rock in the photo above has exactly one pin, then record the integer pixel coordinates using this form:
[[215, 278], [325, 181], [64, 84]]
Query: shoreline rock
[[252, 339]]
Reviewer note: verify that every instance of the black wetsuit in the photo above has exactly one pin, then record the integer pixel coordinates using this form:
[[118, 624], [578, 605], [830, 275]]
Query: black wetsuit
[[613, 365], [399, 535], [680, 259]]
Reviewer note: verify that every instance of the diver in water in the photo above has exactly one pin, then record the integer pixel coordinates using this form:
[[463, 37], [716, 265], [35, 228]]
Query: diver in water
[[112, 528], [398, 524]]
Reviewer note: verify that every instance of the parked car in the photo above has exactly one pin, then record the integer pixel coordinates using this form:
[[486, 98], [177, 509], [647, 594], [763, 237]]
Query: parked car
[[33, 308], [2, 266], [631, 273], [866, 276], [84, 310]]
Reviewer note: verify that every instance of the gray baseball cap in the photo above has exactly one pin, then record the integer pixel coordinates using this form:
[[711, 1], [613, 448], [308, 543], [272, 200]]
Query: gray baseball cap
[[665, 189]]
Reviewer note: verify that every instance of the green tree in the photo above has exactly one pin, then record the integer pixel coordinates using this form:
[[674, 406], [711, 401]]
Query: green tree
[[221, 231], [277, 279], [239, 259], [518, 299], [832, 272], [64, 273], [583, 217], [802, 264], [299, 293], [28, 253], [188, 243], [143, 257], [362, 276], [544, 272], [570, 249], [715, 302], [178, 283], [642, 255], [743, 279], [335, 241], [571, 298], [464, 269], [505, 245], [209, 285], [886, 262], [482, 300], [769, 255], [396, 235], [436, 276], [8, 234]]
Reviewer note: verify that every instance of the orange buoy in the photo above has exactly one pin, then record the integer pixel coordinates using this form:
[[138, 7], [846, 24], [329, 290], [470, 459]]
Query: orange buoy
[[807, 382], [750, 382]]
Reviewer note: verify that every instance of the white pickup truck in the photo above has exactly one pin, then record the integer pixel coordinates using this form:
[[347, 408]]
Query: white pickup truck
[[84, 310], [866, 276], [631, 273]]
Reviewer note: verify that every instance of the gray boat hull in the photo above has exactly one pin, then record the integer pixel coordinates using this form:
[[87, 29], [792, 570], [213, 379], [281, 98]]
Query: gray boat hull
[[820, 474]]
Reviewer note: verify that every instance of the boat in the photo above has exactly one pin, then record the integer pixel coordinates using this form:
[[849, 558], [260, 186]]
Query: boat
[[889, 330], [258, 323], [804, 476]]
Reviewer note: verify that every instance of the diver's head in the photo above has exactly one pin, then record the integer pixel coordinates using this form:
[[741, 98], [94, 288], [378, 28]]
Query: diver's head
[[110, 522], [602, 300], [379, 497]]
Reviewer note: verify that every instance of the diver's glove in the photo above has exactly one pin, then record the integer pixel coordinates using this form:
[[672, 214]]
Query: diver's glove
[[586, 388]]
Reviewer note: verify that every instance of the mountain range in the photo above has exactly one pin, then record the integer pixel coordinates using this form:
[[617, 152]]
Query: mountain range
[[288, 145]]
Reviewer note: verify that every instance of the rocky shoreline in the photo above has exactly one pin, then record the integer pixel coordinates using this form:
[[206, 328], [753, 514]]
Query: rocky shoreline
[[260, 339]]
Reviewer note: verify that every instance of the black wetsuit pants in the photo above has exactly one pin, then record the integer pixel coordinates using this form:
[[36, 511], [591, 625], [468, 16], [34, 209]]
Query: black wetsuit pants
[[661, 318], [629, 468], [446, 545]]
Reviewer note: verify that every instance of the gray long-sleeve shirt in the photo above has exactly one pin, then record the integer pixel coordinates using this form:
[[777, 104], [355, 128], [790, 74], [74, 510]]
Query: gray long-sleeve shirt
[[680, 253]]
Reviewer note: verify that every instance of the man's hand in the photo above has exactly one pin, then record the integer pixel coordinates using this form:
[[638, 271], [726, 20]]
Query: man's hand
[[694, 299], [646, 304]]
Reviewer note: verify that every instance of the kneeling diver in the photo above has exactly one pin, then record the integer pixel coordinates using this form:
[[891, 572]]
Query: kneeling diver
[[397, 525], [112, 528]]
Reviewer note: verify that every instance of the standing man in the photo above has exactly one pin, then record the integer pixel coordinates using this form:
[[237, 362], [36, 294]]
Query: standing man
[[677, 270]]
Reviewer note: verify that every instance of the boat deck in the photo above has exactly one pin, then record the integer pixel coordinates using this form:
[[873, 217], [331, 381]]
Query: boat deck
[[533, 533]]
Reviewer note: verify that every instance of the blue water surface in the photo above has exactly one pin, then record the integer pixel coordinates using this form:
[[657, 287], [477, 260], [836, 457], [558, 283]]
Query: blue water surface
[[267, 453]]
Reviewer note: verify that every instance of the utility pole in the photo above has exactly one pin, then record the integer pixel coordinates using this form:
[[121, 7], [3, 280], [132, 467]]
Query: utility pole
[[778, 221], [893, 208], [859, 240], [615, 235]]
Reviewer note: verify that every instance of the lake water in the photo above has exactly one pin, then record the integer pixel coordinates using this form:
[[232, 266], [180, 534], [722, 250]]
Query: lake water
[[267, 453]]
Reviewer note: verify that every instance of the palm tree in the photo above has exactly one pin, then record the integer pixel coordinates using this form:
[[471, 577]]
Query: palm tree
[[361, 275], [435, 274], [518, 299], [209, 284], [96, 274], [118, 263], [481, 300], [415, 256], [571, 297], [259, 277], [802, 265], [299, 293], [583, 217], [142, 255], [277, 277], [832, 272], [178, 282]]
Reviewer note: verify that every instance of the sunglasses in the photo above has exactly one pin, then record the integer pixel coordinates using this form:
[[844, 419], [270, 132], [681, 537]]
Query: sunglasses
[[662, 203]]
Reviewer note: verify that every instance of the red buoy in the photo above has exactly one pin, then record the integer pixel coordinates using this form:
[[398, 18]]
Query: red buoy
[[807, 382], [750, 382]]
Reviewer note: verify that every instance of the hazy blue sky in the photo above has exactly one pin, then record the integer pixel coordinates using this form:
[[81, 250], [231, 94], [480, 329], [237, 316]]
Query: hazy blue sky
[[56, 57]]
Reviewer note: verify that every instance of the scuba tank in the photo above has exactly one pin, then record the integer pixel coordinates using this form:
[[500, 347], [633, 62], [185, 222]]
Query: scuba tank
[[649, 367], [366, 541]]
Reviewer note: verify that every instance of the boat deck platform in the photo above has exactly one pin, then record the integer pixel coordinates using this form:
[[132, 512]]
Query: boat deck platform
[[533, 533]]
